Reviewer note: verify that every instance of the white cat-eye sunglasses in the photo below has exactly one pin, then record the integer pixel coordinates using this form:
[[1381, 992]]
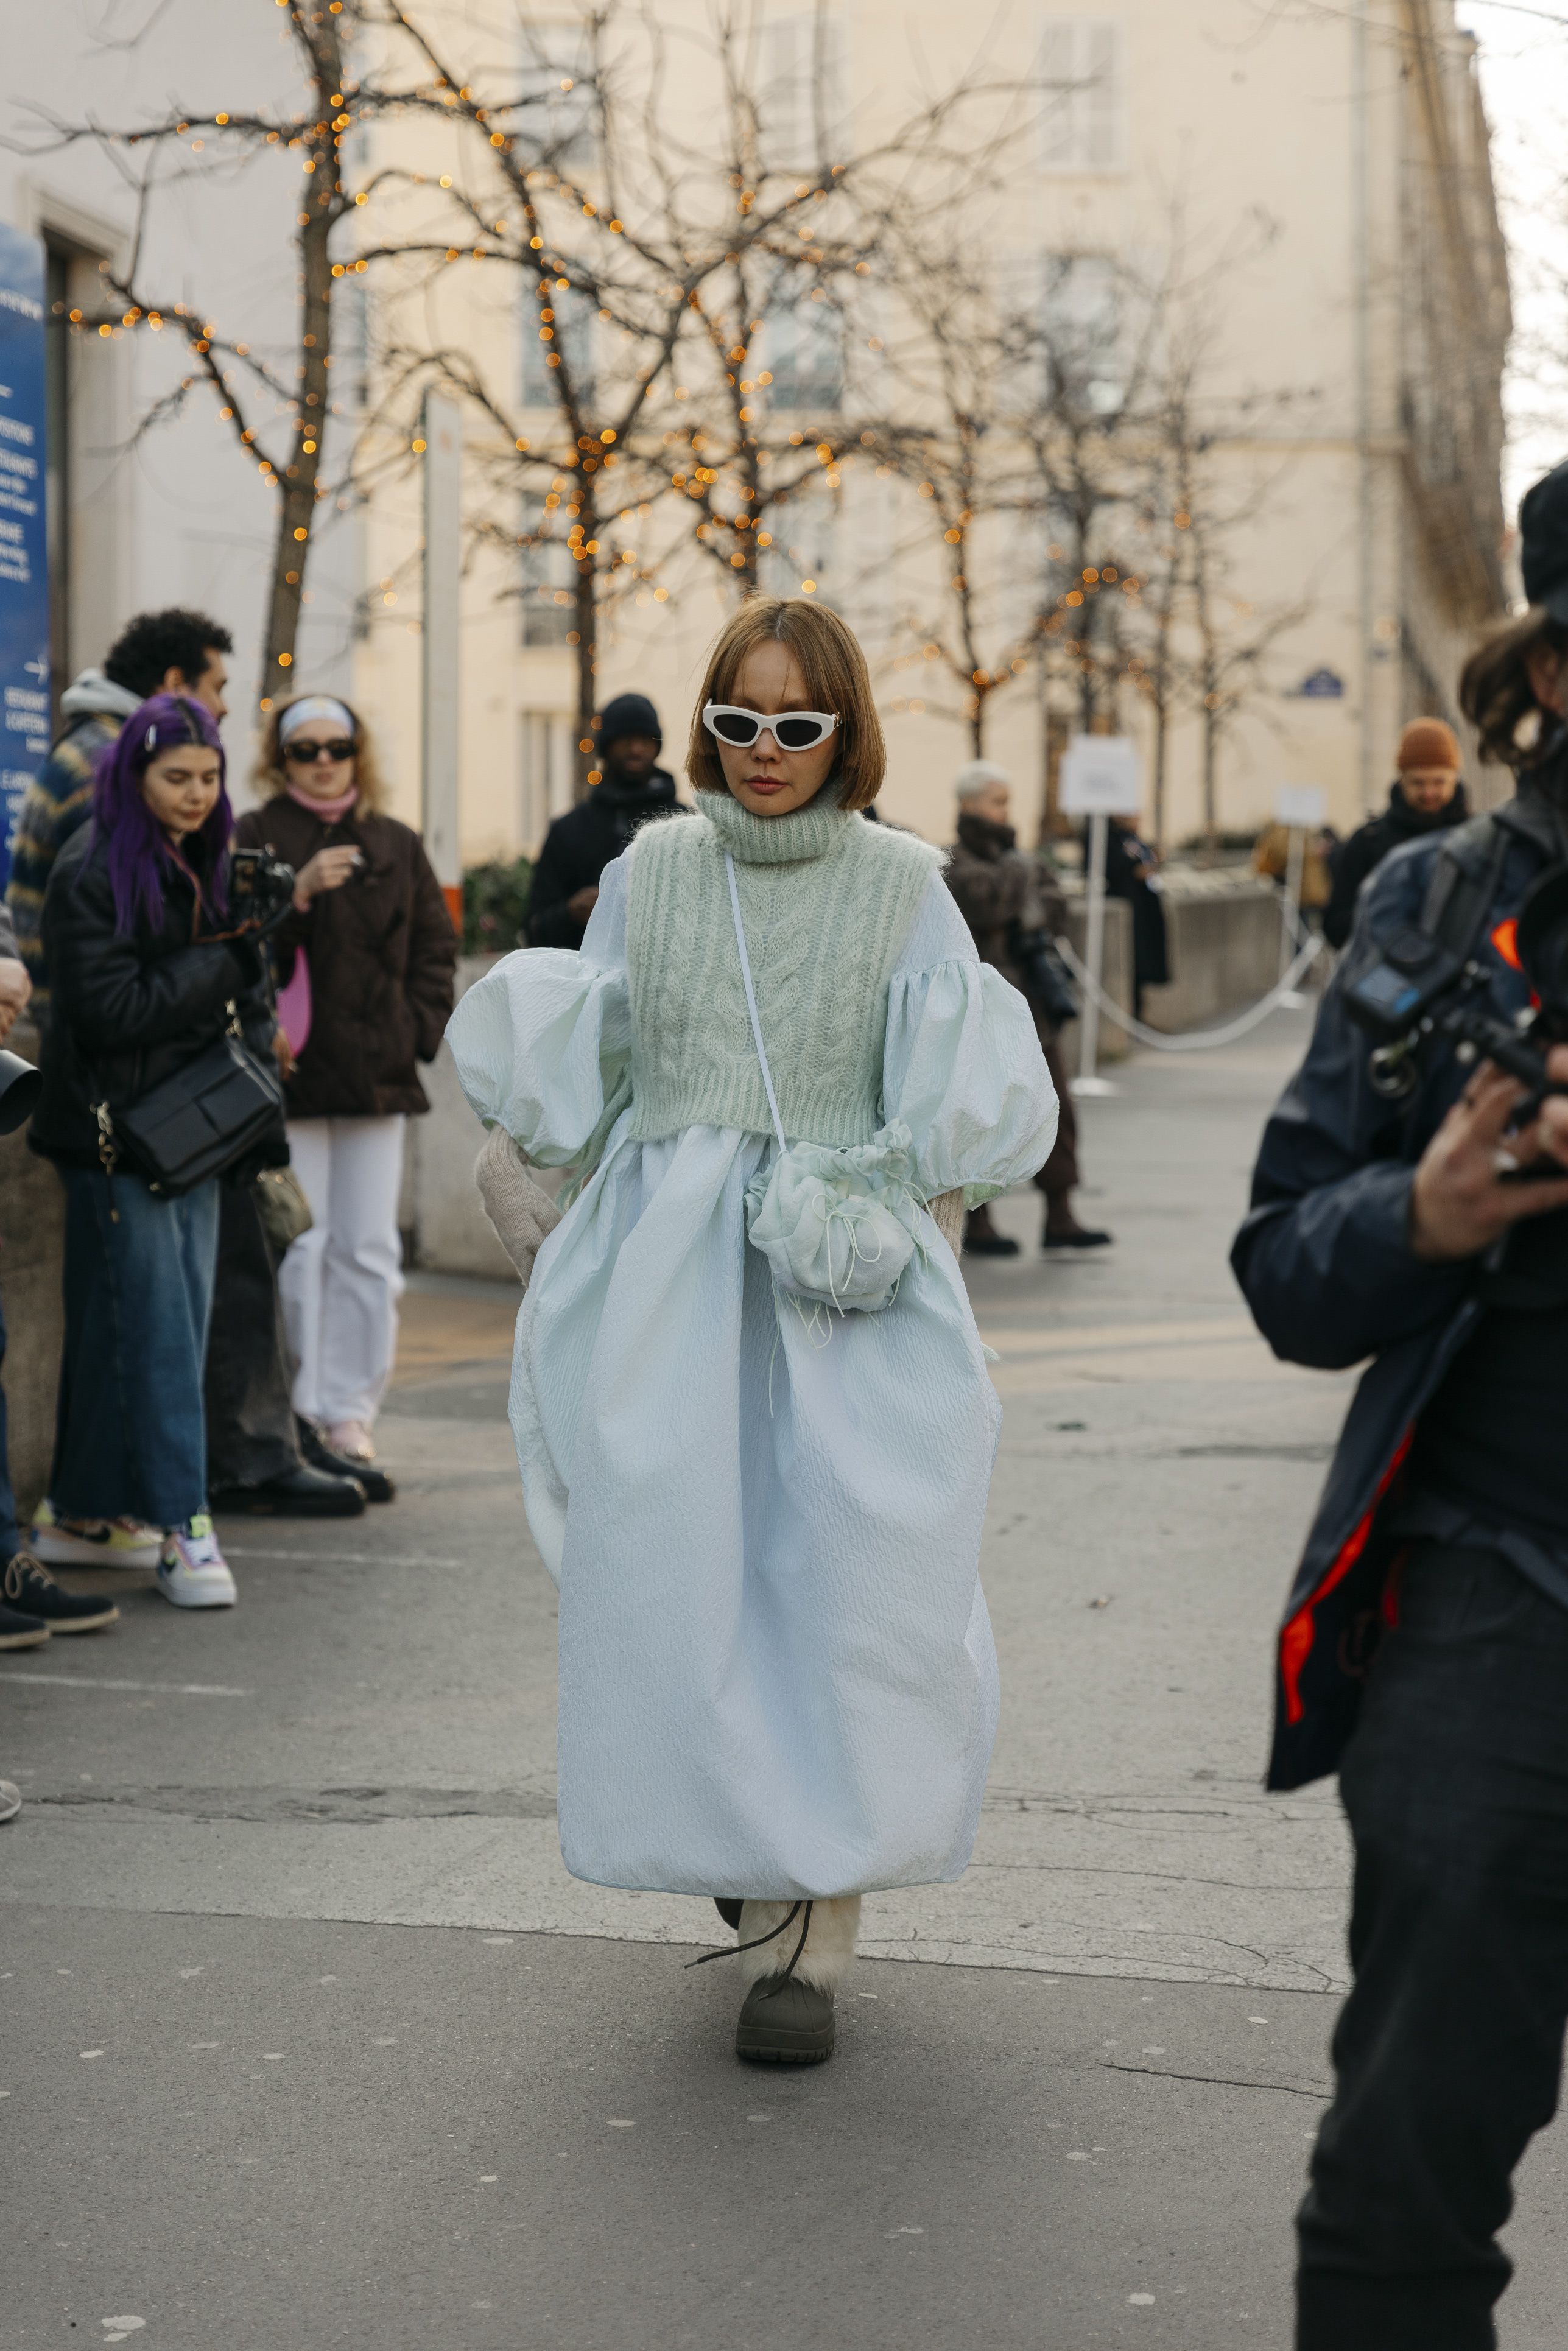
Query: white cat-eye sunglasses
[[792, 730]]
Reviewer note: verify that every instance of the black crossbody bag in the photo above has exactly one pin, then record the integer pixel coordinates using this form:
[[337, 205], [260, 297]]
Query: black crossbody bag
[[196, 1122]]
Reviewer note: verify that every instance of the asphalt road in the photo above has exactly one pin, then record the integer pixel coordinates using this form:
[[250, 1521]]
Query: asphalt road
[[310, 2041]]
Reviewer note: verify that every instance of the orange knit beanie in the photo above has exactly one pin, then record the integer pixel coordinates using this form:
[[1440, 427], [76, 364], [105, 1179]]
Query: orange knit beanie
[[1429, 743]]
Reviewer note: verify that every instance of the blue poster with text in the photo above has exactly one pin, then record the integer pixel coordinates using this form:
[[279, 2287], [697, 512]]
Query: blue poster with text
[[24, 561]]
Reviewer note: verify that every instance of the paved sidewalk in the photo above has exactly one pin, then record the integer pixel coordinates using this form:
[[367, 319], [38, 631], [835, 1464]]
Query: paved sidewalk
[[375, 2071]]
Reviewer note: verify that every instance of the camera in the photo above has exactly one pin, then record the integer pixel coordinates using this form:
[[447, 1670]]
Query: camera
[[261, 888], [1417, 988]]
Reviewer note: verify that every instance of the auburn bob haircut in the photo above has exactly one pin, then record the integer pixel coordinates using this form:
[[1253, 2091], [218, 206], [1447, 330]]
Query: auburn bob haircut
[[836, 677]]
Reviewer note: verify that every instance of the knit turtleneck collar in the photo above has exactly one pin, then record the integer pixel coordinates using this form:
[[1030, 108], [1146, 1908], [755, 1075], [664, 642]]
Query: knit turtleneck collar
[[814, 830]]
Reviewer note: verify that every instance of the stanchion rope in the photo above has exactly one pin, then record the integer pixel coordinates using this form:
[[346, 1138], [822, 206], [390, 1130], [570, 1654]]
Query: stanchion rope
[[1194, 1040]]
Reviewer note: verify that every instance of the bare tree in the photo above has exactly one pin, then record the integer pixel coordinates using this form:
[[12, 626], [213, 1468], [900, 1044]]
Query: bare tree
[[278, 406], [660, 265]]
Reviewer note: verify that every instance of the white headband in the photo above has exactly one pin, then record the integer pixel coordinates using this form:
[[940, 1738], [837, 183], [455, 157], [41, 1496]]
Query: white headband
[[315, 706]]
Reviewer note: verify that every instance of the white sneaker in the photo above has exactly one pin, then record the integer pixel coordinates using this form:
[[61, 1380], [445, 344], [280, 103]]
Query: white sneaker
[[351, 1441], [103, 1543], [193, 1572]]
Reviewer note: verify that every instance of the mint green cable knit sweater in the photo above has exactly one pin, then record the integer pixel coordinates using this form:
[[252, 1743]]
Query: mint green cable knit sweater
[[828, 901]]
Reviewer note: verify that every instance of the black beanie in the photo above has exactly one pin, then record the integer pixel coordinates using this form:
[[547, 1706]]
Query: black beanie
[[629, 714]]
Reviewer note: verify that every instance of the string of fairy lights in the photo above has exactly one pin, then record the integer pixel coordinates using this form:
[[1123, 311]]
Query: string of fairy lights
[[732, 472]]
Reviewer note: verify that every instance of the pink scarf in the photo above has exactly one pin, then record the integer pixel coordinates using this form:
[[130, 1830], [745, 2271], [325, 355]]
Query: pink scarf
[[293, 1001], [328, 810]]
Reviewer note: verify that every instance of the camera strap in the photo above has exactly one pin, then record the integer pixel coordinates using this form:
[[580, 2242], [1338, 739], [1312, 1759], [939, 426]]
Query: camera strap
[[1464, 885]]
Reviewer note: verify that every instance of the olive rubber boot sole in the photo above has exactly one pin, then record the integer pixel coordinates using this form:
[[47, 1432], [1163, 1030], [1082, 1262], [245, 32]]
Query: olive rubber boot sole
[[785, 2022]]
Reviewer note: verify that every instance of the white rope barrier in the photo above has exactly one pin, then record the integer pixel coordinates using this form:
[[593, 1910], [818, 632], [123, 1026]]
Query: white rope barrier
[[1196, 1040]]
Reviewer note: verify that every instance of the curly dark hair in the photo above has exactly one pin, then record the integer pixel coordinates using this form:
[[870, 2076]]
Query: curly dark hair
[[149, 646]]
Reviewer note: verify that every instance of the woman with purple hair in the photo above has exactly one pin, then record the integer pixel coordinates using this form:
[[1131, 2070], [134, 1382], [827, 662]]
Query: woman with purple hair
[[146, 971]]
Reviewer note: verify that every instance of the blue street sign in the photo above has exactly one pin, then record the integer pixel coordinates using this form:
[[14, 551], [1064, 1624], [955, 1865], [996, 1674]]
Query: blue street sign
[[24, 558], [1321, 686]]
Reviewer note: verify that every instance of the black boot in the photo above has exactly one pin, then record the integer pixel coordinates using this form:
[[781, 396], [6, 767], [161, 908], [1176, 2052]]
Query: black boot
[[20, 1631], [785, 2022], [307, 1492], [981, 1237], [378, 1487]]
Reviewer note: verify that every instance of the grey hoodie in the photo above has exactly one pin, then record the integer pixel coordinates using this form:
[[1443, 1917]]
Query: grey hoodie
[[90, 695]]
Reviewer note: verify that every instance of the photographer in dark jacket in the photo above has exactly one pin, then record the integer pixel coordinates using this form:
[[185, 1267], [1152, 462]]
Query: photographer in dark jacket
[[146, 968], [1425, 1648], [1427, 797], [578, 845]]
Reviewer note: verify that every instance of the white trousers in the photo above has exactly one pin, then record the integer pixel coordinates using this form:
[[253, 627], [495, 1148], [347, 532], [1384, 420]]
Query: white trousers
[[341, 1282]]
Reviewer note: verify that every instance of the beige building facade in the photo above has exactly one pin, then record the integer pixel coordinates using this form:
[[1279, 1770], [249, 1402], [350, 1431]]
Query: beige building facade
[[1351, 367], [1328, 169]]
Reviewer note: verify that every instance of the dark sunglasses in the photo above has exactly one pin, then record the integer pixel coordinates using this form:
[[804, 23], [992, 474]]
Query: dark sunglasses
[[308, 753]]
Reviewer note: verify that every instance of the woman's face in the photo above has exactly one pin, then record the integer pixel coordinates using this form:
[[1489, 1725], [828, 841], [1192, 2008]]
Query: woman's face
[[310, 765], [767, 780], [181, 787]]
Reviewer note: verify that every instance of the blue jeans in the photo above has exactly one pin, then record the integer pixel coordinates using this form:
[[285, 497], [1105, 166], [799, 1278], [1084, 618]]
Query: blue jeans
[[131, 1435], [10, 1540]]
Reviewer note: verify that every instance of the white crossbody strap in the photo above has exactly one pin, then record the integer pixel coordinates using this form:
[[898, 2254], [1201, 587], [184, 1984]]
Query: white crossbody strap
[[751, 1001]]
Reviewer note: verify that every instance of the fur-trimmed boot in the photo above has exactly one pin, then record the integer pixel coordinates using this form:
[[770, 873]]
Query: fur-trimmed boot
[[801, 1955]]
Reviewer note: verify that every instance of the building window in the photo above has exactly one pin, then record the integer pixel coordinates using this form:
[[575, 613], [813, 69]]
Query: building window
[[1083, 73], [803, 89], [1081, 333], [805, 546], [546, 583], [567, 333], [547, 774], [805, 347], [559, 125]]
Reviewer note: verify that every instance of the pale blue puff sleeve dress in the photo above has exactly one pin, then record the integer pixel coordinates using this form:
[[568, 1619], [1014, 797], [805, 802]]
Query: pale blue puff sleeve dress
[[777, 1672]]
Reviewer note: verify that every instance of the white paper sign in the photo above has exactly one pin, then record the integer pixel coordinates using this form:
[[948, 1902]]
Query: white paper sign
[[1102, 774], [1306, 805]]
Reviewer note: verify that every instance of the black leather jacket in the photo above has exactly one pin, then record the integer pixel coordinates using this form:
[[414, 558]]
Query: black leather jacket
[[1325, 1261], [126, 1011]]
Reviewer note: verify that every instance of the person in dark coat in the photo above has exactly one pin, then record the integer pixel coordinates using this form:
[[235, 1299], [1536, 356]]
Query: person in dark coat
[[632, 789], [1131, 868], [254, 1457], [366, 966], [1003, 896], [146, 967], [1425, 797], [1425, 1648]]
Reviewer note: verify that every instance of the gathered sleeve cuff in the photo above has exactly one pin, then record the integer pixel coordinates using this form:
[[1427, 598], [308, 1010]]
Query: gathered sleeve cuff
[[962, 1069], [542, 1046]]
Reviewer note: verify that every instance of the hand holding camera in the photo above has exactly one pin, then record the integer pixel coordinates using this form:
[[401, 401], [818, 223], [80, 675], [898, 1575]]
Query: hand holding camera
[[1467, 1190]]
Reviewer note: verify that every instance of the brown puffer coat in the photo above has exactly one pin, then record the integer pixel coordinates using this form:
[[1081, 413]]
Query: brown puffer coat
[[383, 960]]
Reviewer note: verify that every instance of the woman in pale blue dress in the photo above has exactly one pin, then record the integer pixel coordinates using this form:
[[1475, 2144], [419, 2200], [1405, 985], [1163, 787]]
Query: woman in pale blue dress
[[760, 1478]]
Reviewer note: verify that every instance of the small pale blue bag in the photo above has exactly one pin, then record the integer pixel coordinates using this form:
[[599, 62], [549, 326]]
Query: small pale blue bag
[[837, 1227]]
